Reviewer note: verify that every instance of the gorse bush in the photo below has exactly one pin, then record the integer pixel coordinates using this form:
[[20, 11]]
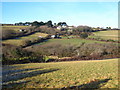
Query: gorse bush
[[84, 51], [54, 50], [14, 54], [39, 53], [95, 50], [11, 51], [8, 33], [83, 35]]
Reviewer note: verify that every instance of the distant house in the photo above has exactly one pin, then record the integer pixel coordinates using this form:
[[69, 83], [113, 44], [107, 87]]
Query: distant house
[[55, 36], [59, 27], [22, 30], [96, 29], [64, 26], [40, 36], [70, 28]]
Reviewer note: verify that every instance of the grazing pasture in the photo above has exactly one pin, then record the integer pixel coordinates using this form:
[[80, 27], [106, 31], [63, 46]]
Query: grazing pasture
[[74, 74], [110, 34], [65, 41], [19, 41], [16, 28]]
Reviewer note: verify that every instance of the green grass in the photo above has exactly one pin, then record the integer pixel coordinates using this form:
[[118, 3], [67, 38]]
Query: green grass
[[20, 40], [16, 28], [72, 41], [63, 74], [111, 34]]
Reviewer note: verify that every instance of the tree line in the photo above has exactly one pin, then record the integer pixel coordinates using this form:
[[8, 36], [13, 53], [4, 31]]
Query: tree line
[[41, 23]]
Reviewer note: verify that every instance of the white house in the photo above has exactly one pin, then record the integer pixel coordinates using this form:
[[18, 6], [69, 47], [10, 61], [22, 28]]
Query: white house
[[53, 36], [40, 36], [62, 27], [22, 30], [59, 27]]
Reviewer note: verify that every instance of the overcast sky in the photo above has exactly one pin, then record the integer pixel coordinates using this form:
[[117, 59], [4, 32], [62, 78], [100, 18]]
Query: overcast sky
[[94, 14]]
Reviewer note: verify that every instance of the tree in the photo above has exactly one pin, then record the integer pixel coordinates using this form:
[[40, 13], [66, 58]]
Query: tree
[[27, 23], [59, 24], [35, 23], [55, 24], [20, 23], [62, 24], [84, 29], [108, 27], [83, 35], [49, 23], [41, 23], [16, 24]]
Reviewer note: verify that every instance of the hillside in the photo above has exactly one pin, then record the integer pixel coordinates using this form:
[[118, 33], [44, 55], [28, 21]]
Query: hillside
[[106, 35], [74, 74], [21, 40]]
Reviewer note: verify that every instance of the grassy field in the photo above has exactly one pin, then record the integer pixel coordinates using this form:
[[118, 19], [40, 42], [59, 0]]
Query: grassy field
[[65, 41], [111, 34], [19, 41], [82, 74], [16, 28]]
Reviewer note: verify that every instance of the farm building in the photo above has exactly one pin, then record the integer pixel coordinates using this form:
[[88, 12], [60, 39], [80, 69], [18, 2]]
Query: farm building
[[40, 36], [55, 36], [22, 30], [65, 27]]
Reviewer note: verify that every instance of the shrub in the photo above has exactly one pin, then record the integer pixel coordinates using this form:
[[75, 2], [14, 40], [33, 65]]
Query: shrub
[[84, 35], [96, 50], [26, 42], [46, 59], [8, 33], [54, 50], [14, 54]]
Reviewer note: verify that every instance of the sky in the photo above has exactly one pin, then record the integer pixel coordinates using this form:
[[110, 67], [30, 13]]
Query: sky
[[94, 14]]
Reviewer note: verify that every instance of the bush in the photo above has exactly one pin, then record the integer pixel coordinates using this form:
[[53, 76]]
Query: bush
[[26, 43], [14, 54], [8, 33], [84, 35], [54, 50], [97, 51]]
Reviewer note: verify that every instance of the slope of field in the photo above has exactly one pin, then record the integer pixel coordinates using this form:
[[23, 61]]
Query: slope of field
[[16, 28], [65, 41], [19, 41], [111, 34], [82, 74]]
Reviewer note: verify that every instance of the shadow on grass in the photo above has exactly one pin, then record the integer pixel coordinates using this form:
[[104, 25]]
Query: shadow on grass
[[17, 75], [97, 84], [9, 72], [14, 86]]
